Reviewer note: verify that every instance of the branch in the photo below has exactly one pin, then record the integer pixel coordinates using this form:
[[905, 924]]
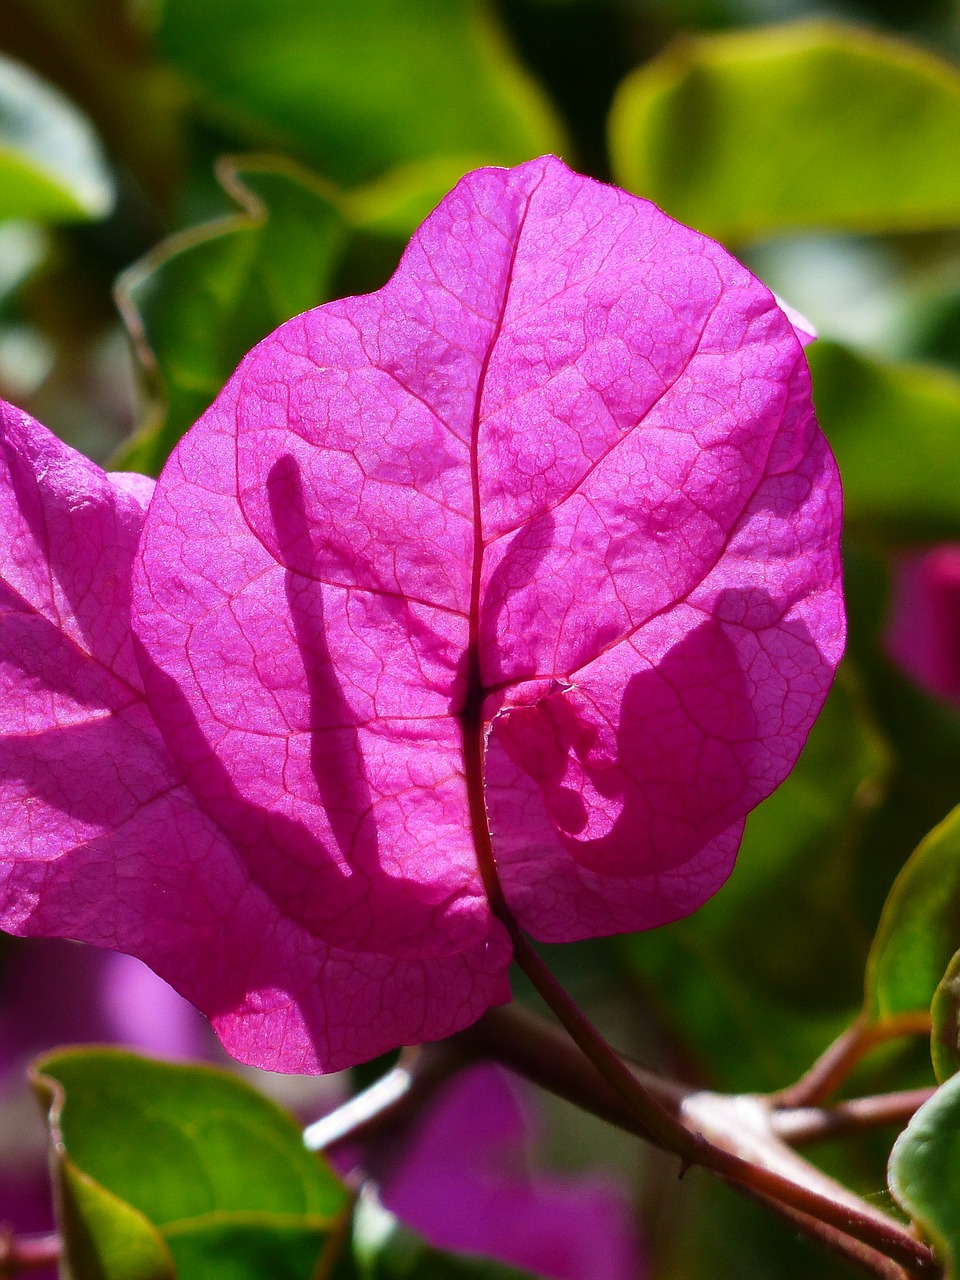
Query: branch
[[733, 1136], [801, 1125], [22, 1254], [839, 1059], [389, 1102]]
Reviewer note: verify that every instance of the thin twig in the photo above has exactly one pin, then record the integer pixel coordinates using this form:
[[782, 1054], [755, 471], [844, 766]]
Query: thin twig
[[802, 1125], [20, 1255], [860, 1255], [390, 1101], [731, 1136]]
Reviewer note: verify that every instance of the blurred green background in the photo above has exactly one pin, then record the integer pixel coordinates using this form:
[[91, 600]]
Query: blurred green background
[[177, 177]]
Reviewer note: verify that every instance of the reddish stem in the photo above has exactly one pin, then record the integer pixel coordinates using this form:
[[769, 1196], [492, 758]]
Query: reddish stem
[[709, 1132], [22, 1254], [839, 1059], [801, 1125]]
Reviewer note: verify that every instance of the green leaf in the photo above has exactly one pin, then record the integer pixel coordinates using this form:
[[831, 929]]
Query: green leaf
[[764, 973], [104, 1238], [395, 204], [924, 1172], [199, 301], [250, 1246], [919, 929], [360, 88], [945, 1013], [895, 430], [167, 1170], [813, 125], [52, 168]]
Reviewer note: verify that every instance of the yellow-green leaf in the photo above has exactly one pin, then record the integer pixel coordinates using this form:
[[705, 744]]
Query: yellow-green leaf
[[748, 133]]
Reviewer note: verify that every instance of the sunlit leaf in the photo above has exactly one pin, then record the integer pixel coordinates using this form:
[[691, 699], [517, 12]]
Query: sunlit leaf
[[920, 927], [924, 1172], [52, 167], [810, 125], [160, 1164], [202, 298], [895, 430], [359, 88]]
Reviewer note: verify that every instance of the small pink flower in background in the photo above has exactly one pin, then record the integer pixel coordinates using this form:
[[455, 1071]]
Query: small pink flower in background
[[464, 1179], [923, 634], [54, 993], [542, 536]]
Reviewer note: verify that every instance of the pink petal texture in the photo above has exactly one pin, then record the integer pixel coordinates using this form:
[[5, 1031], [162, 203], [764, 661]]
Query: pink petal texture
[[464, 1179], [102, 839], [923, 635], [525, 566]]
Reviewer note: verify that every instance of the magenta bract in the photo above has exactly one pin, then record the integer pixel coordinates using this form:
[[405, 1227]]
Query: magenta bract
[[491, 1199], [525, 566], [923, 635]]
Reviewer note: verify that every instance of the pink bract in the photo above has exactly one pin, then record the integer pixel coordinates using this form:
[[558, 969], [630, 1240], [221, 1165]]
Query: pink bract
[[492, 1199], [524, 566], [923, 636]]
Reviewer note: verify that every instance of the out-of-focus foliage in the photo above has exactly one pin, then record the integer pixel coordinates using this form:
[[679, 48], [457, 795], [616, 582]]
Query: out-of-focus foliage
[[51, 163], [361, 88], [231, 280], [751, 133], [894, 429], [918, 928], [334, 128]]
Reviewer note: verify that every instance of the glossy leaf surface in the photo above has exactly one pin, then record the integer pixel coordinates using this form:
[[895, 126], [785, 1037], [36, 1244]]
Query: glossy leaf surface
[[163, 1166], [924, 1172], [945, 1012], [810, 125]]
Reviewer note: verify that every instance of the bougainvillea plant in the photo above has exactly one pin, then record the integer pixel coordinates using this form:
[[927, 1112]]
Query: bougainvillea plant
[[923, 635], [507, 590], [481, 608]]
